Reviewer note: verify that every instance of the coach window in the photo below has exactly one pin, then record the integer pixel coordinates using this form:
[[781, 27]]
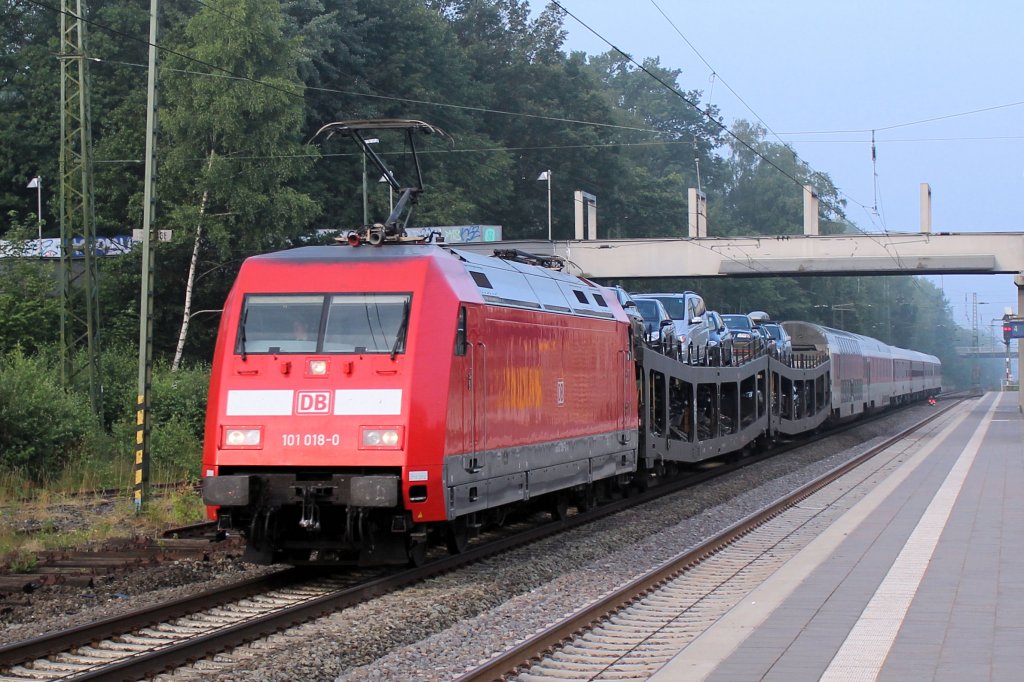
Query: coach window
[[762, 391], [786, 396]]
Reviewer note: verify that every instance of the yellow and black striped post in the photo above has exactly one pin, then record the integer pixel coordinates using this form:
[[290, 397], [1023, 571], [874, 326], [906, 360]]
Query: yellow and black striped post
[[141, 487]]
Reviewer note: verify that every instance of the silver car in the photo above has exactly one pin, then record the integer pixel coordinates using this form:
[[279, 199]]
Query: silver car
[[687, 310], [783, 343]]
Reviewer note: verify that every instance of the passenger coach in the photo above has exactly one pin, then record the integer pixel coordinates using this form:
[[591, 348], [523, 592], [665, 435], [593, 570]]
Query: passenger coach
[[866, 373]]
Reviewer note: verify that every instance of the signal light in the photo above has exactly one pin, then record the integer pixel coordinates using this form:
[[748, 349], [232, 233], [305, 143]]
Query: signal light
[[1007, 332]]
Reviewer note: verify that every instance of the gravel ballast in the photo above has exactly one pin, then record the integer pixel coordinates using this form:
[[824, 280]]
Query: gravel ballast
[[435, 630]]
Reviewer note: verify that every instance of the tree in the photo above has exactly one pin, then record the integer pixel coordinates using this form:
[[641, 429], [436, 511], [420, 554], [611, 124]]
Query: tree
[[764, 190], [29, 97], [668, 140], [232, 136], [29, 305]]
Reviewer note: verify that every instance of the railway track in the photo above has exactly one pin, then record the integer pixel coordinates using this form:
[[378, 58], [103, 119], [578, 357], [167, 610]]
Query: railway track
[[153, 640], [81, 567], [633, 631]]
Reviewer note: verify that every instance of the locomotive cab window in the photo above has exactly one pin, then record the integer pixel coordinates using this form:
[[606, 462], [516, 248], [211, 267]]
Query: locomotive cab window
[[323, 323]]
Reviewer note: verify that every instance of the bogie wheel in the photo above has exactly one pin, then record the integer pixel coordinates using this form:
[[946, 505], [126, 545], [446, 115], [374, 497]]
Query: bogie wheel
[[559, 508], [586, 499], [457, 535], [417, 552]]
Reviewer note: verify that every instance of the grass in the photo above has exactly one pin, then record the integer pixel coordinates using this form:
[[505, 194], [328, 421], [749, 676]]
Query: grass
[[63, 514]]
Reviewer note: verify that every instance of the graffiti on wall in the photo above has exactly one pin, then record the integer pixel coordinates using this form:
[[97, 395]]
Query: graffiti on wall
[[50, 247]]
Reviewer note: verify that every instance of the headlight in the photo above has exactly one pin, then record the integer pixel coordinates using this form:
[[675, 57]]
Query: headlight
[[317, 368], [384, 438], [243, 438]]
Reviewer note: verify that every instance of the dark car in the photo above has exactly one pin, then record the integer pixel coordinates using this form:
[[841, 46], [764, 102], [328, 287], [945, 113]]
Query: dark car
[[744, 338], [688, 313], [658, 324]]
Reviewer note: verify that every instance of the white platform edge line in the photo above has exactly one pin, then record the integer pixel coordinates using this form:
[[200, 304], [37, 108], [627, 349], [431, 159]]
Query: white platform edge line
[[866, 647]]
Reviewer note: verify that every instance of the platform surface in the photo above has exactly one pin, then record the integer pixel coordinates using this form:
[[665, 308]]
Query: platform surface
[[924, 582]]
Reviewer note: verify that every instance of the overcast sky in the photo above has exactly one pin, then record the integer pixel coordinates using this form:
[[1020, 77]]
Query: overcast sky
[[854, 67]]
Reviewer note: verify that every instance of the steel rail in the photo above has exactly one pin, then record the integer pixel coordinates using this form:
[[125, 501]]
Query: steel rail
[[186, 651], [63, 640], [521, 655]]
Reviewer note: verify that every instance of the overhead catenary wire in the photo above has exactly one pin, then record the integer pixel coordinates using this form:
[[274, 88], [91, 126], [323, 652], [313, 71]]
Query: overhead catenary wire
[[297, 92], [705, 114], [714, 72], [672, 89]]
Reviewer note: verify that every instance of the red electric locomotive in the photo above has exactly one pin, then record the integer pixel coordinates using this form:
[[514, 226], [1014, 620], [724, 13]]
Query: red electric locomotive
[[366, 399]]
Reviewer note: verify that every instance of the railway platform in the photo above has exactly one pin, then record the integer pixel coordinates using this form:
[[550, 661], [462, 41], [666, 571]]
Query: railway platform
[[919, 580]]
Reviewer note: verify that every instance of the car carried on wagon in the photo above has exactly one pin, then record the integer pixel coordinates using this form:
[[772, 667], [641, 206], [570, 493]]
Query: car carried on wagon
[[658, 325], [687, 310]]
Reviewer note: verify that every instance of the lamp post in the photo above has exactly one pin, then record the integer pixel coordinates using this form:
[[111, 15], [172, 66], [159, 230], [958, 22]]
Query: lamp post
[[546, 175], [37, 184], [366, 210]]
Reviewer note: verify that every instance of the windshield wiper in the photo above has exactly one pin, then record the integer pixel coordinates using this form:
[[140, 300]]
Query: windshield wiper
[[400, 338], [241, 332]]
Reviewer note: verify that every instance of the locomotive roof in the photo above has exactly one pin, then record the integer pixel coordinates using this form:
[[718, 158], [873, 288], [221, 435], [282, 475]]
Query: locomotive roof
[[335, 253], [499, 281]]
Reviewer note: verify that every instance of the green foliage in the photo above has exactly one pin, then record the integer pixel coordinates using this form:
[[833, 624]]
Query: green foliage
[[175, 448], [177, 414], [234, 144], [29, 297], [41, 424], [187, 507], [181, 395]]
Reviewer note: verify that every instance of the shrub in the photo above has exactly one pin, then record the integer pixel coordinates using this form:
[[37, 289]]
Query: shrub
[[120, 367], [41, 424], [181, 395], [175, 449], [29, 298]]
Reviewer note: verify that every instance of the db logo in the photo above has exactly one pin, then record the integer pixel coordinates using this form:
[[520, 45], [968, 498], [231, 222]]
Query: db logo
[[313, 402]]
